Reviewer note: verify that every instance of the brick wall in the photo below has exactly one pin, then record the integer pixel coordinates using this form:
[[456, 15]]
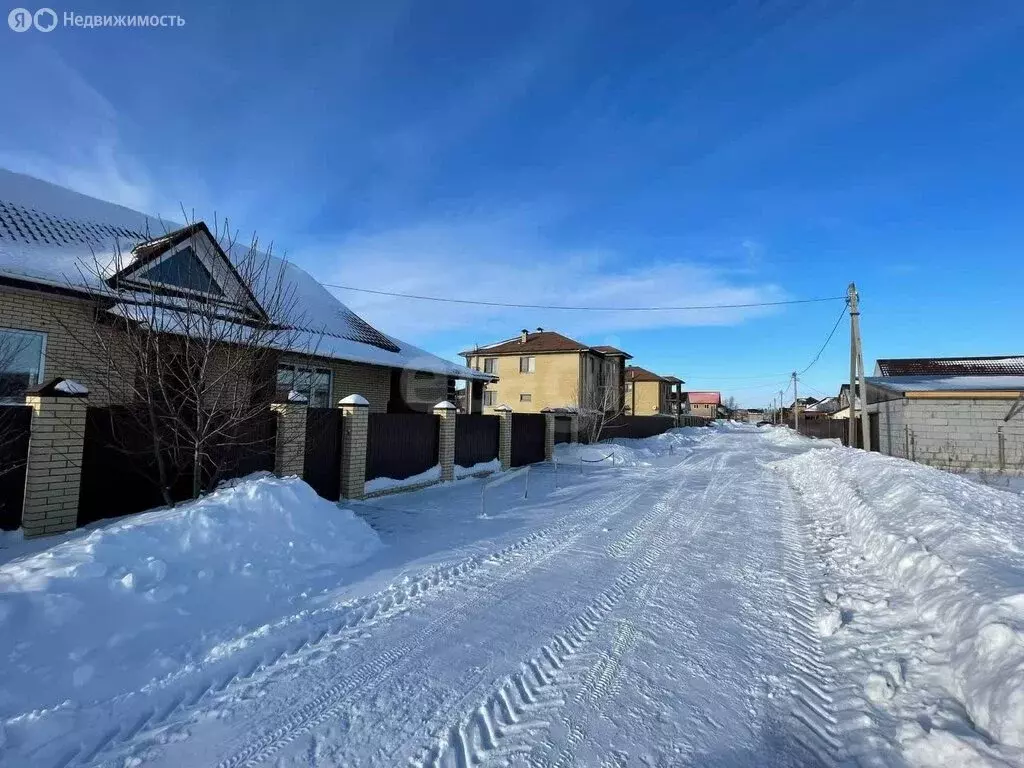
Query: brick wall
[[953, 434]]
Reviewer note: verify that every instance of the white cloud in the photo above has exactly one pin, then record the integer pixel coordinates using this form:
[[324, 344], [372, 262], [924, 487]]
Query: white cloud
[[498, 260]]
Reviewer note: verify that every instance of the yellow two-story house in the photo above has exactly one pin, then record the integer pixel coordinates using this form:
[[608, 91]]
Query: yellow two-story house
[[544, 369], [647, 393]]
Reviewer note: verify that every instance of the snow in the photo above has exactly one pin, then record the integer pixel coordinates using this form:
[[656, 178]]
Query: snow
[[444, 405], [379, 484], [483, 466], [728, 596], [948, 383], [354, 400], [297, 397], [926, 567], [69, 387], [146, 596]]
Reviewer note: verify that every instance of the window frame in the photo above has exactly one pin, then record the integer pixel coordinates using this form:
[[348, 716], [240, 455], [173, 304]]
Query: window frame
[[490, 395], [41, 375], [494, 366], [313, 370], [525, 397], [531, 365]]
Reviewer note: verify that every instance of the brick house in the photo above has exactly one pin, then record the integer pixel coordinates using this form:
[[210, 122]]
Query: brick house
[[647, 393], [703, 404], [962, 413], [50, 237], [545, 369]]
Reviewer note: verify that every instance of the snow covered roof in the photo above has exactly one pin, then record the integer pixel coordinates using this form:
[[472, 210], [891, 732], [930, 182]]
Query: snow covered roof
[[52, 236], [826, 405], [904, 384], [1003, 365]]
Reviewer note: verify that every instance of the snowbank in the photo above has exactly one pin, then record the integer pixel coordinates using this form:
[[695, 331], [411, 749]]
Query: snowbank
[[947, 554], [484, 466], [144, 595], [432, 475], [630, 452]]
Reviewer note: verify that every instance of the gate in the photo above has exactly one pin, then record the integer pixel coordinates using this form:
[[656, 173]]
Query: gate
[[563, 429], [15, 429], [527, 438], [322, 465], [400, 445], [476, 439]]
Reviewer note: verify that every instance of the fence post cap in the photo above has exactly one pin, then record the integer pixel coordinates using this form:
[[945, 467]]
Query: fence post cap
[[60, 388], [354, 400], [444, 405], [503, 408]]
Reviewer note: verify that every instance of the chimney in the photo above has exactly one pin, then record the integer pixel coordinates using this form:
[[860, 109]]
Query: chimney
[[522, 338], [539, 329]]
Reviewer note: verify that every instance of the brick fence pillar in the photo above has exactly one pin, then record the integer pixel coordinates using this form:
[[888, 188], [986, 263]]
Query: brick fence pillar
[[355, 411], [290, 448], [549, 433], [446, 413], [574, 427], [54, 470], [504, 414]]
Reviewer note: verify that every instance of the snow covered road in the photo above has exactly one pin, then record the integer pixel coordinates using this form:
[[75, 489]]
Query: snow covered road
[[665, 611]]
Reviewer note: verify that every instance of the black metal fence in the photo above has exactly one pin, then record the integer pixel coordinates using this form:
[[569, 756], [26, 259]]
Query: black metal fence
[[637, 426], [120, 475], [322, 464], [563, 429], [527, 438], [400, 445], [476, 439], [15, 429]]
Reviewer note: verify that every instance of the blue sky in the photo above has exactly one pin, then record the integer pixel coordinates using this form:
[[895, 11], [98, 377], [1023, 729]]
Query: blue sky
[[661, 153]]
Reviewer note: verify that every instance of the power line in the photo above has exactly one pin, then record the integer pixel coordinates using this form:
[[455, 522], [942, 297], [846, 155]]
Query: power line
[[448, 300], [830, 335]]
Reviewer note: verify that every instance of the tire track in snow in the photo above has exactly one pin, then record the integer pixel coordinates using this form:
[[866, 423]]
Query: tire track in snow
[[344, 629], [812, 687], [522, 704], [259, 744]]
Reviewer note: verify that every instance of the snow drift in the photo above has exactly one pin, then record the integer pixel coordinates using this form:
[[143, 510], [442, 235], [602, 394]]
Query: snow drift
[[145, 595], [947, 555], [632, 452]]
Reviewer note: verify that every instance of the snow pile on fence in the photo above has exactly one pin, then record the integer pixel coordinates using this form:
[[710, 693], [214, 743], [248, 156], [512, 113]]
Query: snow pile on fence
[[148, 594], [379, 484], [632, 452], [926, 592]]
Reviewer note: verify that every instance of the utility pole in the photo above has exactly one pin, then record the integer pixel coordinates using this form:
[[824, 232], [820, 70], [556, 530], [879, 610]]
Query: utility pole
[[780, 406], [796, 406], [857, 364]]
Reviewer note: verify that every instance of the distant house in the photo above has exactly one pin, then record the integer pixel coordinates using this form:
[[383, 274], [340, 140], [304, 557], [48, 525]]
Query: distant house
[[647, 393], [49, 238], [961, 413], [821, 409], [545, 369], [675, 394], [704, 404]]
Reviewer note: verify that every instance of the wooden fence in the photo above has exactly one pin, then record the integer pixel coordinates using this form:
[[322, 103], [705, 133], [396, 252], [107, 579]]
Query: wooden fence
[[15, 430], [637, 426], [476, 439], [825, 428], [400, 445]]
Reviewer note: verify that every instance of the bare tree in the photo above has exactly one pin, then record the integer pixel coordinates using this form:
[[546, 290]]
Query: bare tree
[[598, 404], [190, 360], [13, 384]]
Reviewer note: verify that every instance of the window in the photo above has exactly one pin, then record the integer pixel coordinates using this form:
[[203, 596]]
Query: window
[[490, 396], [490, 365], [527, 364], [183, 269], [313, 383], [526, 397], [22, 354]]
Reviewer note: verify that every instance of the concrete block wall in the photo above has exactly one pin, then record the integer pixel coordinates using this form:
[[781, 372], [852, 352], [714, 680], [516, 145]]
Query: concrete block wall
[[953, 434]]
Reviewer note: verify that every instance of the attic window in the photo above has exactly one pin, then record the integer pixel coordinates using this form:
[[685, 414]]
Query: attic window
[[182, 269]]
